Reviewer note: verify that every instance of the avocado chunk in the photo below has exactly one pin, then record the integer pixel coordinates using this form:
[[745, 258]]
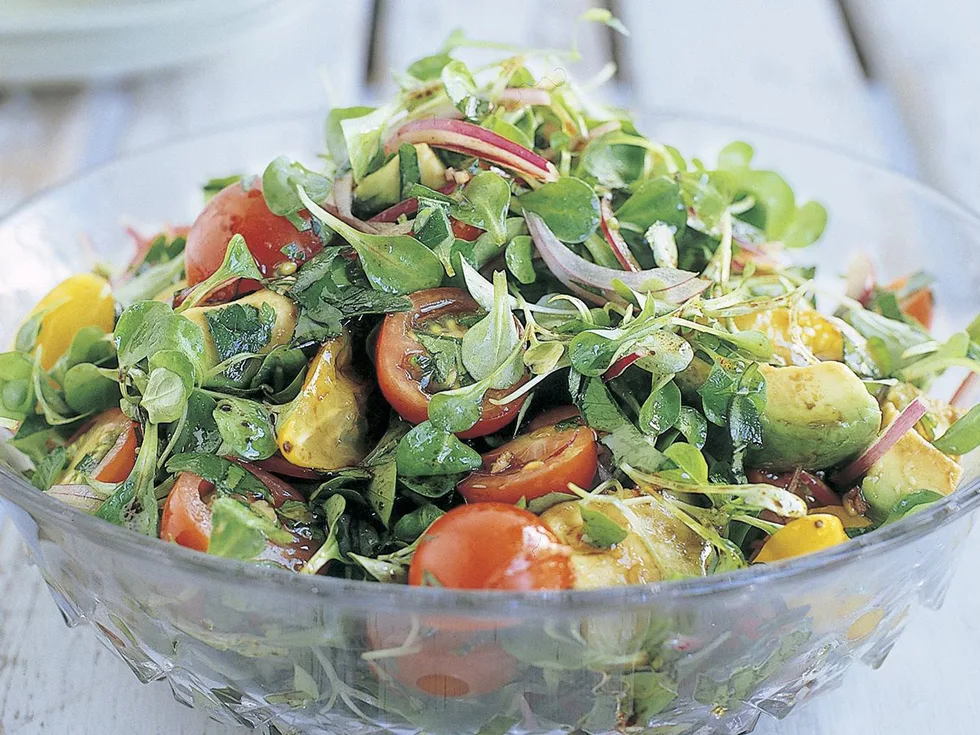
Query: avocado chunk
[[382, 188], [280, 334], [657, 546], [912, 464], [816, 416]]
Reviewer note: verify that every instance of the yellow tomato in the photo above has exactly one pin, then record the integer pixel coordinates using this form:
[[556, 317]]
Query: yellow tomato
[[79, 301], [818, 333], [846, 519], [803, 536]]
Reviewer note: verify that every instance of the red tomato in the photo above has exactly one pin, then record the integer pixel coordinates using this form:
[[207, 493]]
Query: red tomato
[[117, 463], [449, 663], [236, 210], [544, 461], [491, 546], [280, 490], [465, 231], [399, 356], [918, 304], [186, 518]]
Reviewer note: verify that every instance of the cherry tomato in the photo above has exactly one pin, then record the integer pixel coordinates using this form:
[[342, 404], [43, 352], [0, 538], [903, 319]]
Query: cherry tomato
[[465, 231], [237, 210], [404, 366], [186, 518], [280, 490], [448, 663], [79, 301], [119, 461], [491, 546], [544, 461]]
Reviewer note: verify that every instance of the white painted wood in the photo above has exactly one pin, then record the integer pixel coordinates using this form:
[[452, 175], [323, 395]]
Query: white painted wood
[[927, 56], [409, 29], [786, 65]]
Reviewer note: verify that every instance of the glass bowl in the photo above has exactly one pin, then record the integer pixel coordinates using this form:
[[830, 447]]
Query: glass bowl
[[257, 645]]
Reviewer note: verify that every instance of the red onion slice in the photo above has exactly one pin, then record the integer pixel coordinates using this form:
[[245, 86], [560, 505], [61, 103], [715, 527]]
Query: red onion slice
[[908, 418], [616, 242], [964, 394], [358, 224], [467, 138], [669, 284], [620, 365], [281, 466], [343, 194], [516, 96], [860, 279]]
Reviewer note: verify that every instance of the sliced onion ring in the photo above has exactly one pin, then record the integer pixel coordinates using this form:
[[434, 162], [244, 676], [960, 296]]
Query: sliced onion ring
[[616, 242], [467, 138], [668, 284], [898, 428]]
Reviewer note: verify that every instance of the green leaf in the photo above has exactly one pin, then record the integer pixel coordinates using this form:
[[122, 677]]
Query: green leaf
[[519, 257], [238, 263], [246, 427], [16, 385], [227, 476], [600, 530], [484, 203], [774, 196], [362, 136], [134, 503], [462, 92], [963, 436], [429, 68], [88, 390], [397, 264], [49, 469], [488, 344], [736, 156], [336, 143], [544, 357], [412, 525], [381, 490], [447, 358], [239, 329], [334, 509], [692, 466], [652, 691], [606, 18], [498, 125], [661, 410], [438, 486], [26, 337], [238, 533], [806, 227], [912, 503], [199, 432], [568, 206], [147, 327], [628, 444], [408, 168], [426, 450], [165, 396], [655, 200], [716, 395], [458, 409], [613, 164], [692, 426], [599, 408], [434, 230]]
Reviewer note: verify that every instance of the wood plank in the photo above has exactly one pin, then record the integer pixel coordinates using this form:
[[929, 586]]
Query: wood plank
[[409, 29], [784, 65], [928, 58]]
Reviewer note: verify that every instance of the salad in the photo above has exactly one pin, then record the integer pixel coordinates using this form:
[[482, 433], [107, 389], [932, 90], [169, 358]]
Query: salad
[[496, 338]]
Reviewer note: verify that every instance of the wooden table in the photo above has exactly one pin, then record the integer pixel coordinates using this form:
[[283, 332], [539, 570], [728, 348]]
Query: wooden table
[[886, 78]]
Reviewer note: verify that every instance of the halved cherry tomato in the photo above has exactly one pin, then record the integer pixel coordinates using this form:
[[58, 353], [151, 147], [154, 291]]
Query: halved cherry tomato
[[400, 359], [491, 546], [465, 231], [530, 466], [240, 210], [449, 663], [119, 461], [186, 517]]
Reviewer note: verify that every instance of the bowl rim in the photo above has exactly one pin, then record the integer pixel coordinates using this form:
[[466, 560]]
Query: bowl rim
[[17, 491]]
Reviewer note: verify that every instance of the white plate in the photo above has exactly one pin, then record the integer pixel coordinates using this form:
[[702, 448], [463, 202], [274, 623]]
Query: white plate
[[59, 41]]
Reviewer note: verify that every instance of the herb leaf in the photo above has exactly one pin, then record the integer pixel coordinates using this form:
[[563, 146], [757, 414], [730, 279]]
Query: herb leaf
[[489, 342], [238, 329], [963, 436], [484, 203], [164, 397], [238, 533], [426, 450], [397, 264], [47, 471], [568, 206], [246, 427], [600, 530], [279, 182]]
